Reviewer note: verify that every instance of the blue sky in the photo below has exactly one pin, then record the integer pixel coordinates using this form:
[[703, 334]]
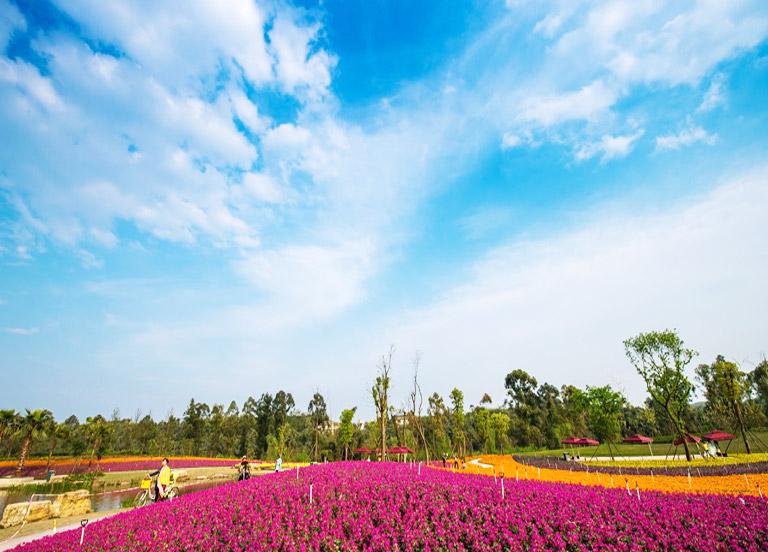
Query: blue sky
[[241, 197]]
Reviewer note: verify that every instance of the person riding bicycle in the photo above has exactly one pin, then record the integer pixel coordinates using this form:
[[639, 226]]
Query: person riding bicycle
[[243, 469], [163, 480]]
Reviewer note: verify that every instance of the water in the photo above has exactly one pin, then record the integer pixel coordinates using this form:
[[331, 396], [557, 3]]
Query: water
[[110, 500]]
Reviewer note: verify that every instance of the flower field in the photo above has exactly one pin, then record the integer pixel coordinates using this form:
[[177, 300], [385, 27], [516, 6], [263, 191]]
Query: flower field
[[735, 484], [389, 506], [754, 464], [36, 467]]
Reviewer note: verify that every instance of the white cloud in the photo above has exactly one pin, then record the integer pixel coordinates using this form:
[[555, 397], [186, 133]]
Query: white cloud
[[299, 69], [311, 280], [686, 137], [715, 95], [585, 103], [551, 305], [263, 187], [21, 331], [29, 80], [649, 41], [608, 147], [604, 50], [10, 20]]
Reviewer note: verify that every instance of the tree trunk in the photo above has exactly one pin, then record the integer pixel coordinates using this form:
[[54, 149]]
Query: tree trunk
[[50, 454], [24, 452], [737, 410], [316, 440], [680, 431], [93, 451]]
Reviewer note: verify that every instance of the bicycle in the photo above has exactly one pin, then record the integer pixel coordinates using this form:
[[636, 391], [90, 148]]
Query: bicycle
[[149, 490]]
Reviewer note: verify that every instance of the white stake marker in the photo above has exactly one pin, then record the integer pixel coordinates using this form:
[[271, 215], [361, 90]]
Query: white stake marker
[[83, 523], [310, 493], [502, 489]]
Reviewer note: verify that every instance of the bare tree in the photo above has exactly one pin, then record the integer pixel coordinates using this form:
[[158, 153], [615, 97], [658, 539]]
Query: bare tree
[[380, 393], [417, 402]]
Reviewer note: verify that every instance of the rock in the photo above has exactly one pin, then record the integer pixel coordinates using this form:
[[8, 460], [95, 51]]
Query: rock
[[71, 504], [15, 514]]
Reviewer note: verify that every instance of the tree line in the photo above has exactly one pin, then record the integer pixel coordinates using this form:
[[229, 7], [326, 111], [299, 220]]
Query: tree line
[[533, 415]]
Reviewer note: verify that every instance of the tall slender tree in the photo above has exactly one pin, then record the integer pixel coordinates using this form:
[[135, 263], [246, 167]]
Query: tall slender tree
[[318, 414], [725, 387], [380, 394], [346, 430], [661, 358], [416, 404]]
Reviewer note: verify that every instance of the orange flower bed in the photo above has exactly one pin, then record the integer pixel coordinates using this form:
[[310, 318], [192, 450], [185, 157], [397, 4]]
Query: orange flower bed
[[108, 459], [749, 484], [36, 466]]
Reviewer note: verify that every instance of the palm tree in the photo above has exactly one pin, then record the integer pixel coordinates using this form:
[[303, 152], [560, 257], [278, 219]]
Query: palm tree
[[33, 426], [98, 431], [57, 432], [9, 419]]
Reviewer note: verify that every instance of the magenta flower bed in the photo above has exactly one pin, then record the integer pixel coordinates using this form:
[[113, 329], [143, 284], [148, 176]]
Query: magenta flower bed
[[371, 506]]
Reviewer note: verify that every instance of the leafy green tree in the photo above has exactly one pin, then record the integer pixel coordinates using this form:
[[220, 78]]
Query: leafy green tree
[[661, 358], [98, 431], [758, 380], [499, 423], [195, 418], [265, 422], [56, 433], [346, 430], [457, 422], [318, 413], [32, 426], [437, 424], [282, 405], [726, 388], [481, 418], [523, 405], [9, 422], [605, 409], [247, 428]]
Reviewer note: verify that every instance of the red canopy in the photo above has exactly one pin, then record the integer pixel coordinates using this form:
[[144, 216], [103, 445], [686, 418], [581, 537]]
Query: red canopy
[[400, 450], [570, 441], [688, 437], [638, 439], [362, 450], [718, 436]]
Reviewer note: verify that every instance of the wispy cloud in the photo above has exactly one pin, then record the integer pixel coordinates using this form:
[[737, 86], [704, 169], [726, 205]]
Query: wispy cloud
[[685, 137], [715, 94], [608, 147], [20, 331]]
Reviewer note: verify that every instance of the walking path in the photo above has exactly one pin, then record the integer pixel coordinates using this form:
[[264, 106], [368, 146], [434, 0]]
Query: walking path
[[44, 528]]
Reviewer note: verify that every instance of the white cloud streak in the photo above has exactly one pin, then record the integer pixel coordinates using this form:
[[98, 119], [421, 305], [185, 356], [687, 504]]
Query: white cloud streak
[[685, 137]]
